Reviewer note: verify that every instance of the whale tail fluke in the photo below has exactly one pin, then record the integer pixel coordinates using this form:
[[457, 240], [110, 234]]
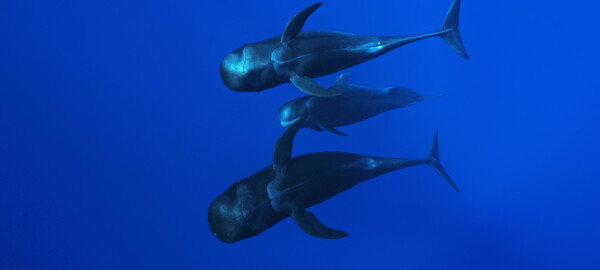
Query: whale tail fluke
[[450, 28], [434, 162]]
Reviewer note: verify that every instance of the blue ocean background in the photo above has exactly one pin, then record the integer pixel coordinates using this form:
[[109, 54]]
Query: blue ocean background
[[116, 133]]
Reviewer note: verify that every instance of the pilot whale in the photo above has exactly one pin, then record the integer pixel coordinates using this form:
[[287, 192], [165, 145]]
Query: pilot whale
[[291, 185], [298, 56], [358, 103]]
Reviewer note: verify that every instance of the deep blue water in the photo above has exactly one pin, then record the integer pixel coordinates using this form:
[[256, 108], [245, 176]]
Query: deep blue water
[[116, 133]]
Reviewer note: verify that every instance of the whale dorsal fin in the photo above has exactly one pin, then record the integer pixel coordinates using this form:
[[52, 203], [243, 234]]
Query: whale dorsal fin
[[311, 225], [333, 130], [294, 26], [341, 82], [310, 87], [283, 147]]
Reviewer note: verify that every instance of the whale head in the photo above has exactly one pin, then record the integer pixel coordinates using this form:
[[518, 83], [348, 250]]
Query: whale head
[[226, 216], [294, 110], [250, 69], [244, 209]]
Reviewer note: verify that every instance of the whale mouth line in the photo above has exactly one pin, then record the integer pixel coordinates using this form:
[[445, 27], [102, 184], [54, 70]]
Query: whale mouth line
[[289, 122]]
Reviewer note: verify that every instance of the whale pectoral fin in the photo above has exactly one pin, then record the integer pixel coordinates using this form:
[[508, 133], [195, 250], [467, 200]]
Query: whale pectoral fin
[[310, 87], [311, 225], [317, 128], [334, 131], [282, 151], [295, 25]]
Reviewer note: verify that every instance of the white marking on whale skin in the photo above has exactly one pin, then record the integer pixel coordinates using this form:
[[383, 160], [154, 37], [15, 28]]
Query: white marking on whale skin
[[236, 64], [374, 47], [285, 113], [276, 59], [287, 123], [240, 67], [280, 62], [244, 67], [363, 163], [370, 48]]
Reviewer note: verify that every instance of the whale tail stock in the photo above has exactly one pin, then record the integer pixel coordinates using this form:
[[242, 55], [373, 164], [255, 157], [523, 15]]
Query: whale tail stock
[[449, 30], [431, 97], [434, 161]]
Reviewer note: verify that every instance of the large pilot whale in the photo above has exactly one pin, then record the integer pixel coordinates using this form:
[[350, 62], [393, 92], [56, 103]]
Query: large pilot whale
[[291, 185], [298, 56], [358, 103]]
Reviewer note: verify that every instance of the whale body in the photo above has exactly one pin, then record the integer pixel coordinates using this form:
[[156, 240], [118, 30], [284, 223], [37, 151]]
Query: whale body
[[298, 56], [356, 104], [291, 185]]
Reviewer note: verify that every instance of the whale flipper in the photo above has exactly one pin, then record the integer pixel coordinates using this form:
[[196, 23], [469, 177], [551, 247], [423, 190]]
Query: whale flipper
[[295, 25], [334, 131], [283, 147], [311, 225], [305, 84], [310, 87]]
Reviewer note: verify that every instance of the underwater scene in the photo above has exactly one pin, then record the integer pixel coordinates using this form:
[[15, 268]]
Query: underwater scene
[[438, 134]]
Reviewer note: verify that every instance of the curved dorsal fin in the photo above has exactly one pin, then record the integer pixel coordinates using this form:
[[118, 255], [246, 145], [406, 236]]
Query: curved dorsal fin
[[283, 147], [294, 26]]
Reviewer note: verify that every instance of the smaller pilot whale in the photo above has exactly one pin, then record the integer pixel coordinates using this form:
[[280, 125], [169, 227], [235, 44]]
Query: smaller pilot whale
[[291, 185], [298, 56], [358, 103]]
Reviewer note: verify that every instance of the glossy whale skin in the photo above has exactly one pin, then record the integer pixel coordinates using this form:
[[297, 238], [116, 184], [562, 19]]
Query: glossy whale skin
[[245, 210], [297, 56]]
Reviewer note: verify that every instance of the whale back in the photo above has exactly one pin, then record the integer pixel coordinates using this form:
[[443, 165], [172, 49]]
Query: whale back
[[318, 53], [316, 177]]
